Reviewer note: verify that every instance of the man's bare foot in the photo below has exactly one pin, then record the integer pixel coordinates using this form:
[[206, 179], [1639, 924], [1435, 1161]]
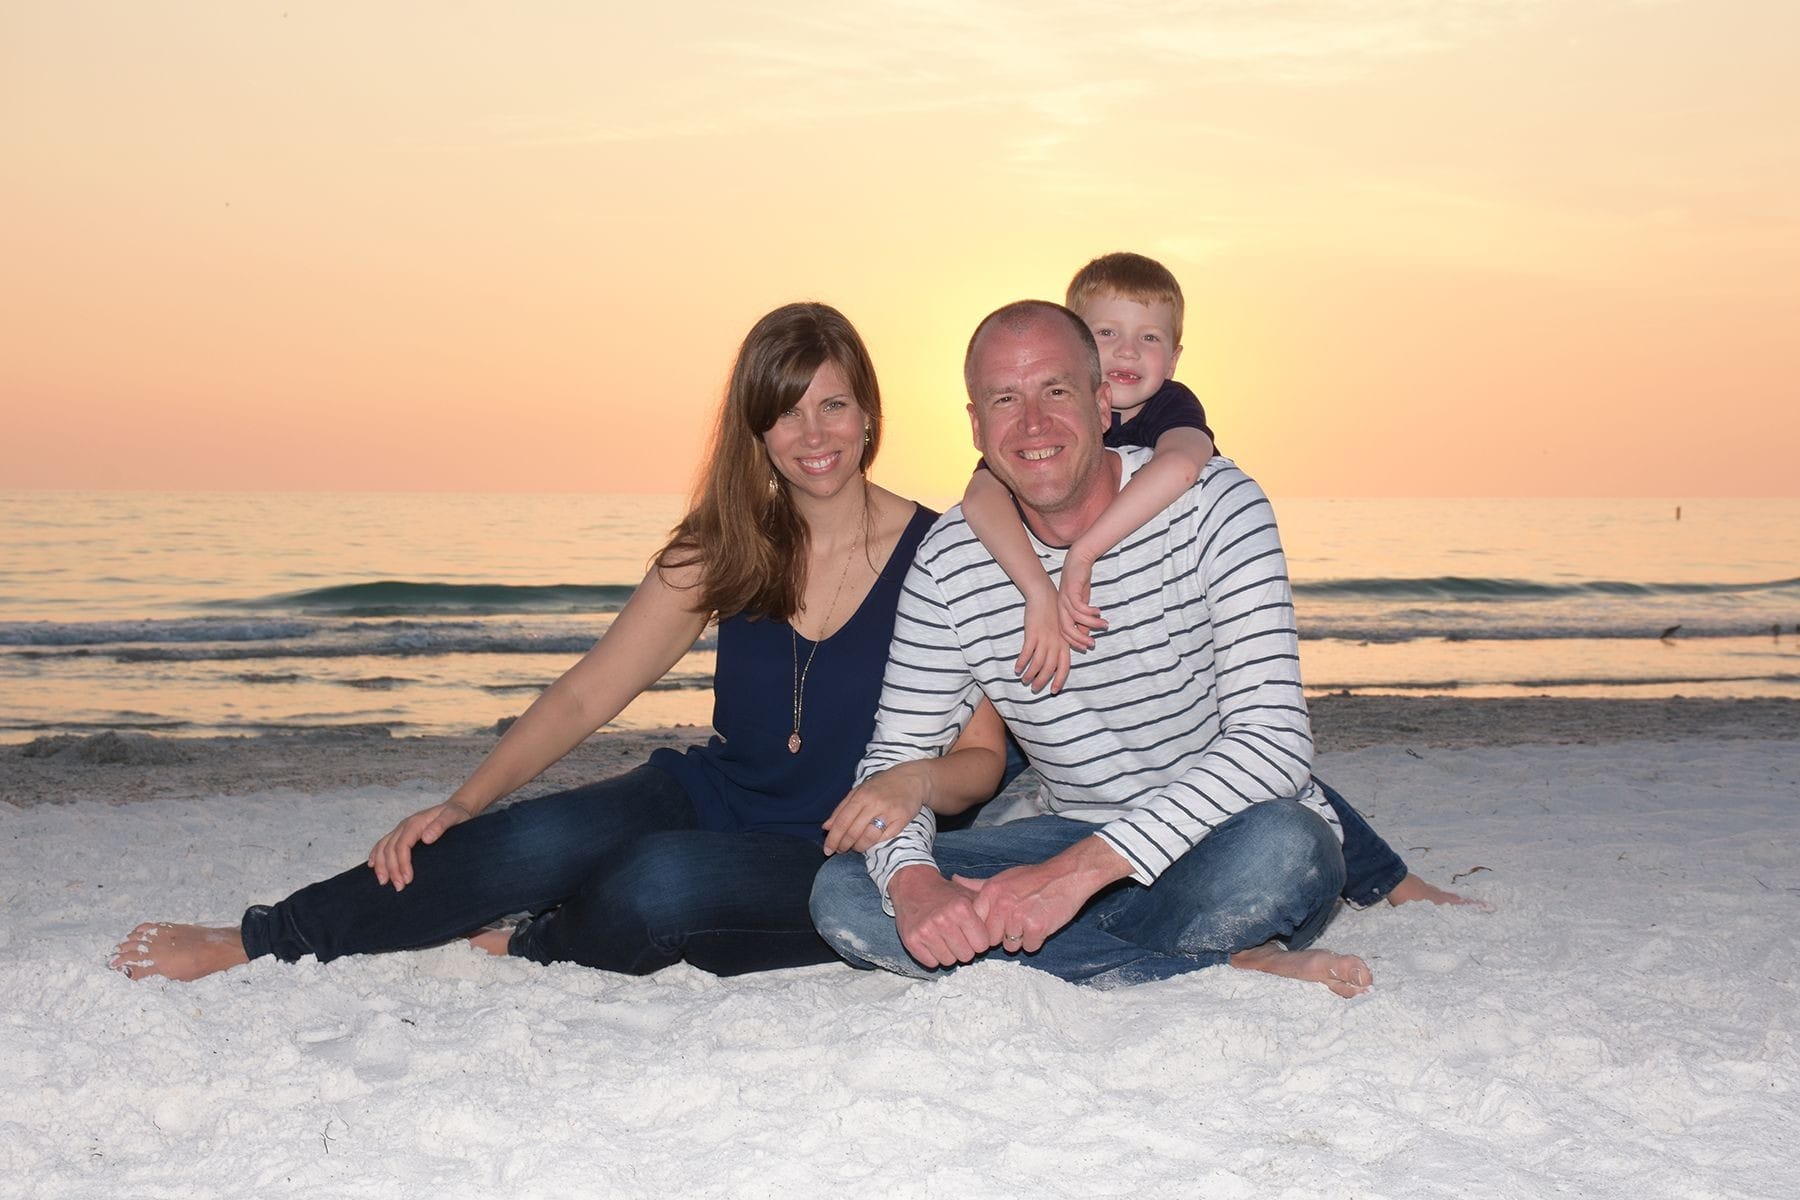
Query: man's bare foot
[[182, 952], [492, 939], [1345, 974], [1413, 888]]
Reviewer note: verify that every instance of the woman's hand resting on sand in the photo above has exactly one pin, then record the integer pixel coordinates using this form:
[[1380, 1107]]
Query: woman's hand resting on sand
[[391, 859]]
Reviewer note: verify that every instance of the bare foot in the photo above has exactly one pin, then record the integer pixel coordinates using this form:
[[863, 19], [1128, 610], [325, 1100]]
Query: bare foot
[[1345, 974], [182, 952], [492, 939], [1413, 888]]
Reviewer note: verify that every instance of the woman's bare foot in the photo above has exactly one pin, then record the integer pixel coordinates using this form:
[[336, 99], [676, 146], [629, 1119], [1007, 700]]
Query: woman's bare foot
[[1345, 974], [184, 952], [1413, 888], [493, 939]]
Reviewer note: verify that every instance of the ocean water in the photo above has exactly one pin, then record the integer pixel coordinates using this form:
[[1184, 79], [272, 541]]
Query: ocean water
[[192, 613]]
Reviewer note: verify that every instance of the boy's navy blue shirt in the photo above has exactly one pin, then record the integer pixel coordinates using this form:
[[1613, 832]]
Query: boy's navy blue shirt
[[1172, 407]]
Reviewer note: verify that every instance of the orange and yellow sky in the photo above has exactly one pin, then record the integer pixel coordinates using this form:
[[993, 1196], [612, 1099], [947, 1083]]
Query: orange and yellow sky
[[1474, 247]]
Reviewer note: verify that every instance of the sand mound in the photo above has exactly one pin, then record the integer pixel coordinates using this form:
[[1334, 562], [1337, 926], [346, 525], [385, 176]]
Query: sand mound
[[109, 748]]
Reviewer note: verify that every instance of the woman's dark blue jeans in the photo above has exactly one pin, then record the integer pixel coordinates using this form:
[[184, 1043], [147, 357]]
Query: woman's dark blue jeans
[[618, 873]]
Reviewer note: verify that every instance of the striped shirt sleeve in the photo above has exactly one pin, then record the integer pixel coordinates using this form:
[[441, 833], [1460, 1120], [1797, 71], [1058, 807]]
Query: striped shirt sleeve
[[927, 696], [1263, 746]]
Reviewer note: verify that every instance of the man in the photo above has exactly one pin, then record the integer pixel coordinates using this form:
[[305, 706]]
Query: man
[[1181, 828]]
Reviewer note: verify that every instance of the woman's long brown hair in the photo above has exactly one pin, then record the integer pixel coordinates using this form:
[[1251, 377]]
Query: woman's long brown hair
[[747, 540]]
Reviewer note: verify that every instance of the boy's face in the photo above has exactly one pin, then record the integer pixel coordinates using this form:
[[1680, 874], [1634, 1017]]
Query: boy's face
[[1137, 346]]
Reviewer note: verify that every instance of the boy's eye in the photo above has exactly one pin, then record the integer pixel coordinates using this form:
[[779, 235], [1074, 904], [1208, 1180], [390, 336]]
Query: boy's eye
[[1151, 337], [1103, 331]]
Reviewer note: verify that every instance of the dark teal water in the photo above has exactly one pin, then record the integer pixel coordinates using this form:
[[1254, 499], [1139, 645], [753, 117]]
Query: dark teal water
[[195, 613]]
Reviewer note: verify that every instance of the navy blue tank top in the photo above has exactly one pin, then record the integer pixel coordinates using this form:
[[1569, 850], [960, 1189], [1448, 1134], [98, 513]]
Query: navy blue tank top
[[744, 778]]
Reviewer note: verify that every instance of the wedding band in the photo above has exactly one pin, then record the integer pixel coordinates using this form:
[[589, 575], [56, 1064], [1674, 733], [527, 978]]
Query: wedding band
[[1015, 937], [879, 824]]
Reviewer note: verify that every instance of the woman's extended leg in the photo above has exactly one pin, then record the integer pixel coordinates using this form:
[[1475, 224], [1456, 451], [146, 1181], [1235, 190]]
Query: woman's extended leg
[[523, 857], [726, 902]]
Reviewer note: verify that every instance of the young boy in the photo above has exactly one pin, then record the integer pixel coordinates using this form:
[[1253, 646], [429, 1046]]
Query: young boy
[[1133, 306]]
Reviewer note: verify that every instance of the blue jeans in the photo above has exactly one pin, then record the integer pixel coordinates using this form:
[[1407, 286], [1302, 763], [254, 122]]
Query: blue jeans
[[1371, 868], [1271, 871], [618, 873]]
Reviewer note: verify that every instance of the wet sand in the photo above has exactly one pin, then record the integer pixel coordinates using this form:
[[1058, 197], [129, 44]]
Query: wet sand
[[126, 768]]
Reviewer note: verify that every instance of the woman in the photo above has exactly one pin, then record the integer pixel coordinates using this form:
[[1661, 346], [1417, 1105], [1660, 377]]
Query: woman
[[706, 856]]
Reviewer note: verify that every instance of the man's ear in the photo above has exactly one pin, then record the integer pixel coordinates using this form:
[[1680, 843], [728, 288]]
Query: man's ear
[[1103, 394], [975, 429]]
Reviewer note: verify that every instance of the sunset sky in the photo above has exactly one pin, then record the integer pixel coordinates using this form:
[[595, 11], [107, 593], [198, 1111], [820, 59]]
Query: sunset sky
[[1465, 248]]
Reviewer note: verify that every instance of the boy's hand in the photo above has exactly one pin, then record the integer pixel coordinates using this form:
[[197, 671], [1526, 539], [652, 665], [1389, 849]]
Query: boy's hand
[[1044, 654], [1076, 617]]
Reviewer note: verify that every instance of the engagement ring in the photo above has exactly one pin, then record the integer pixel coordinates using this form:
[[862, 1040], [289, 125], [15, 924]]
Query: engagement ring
[[879, 824]]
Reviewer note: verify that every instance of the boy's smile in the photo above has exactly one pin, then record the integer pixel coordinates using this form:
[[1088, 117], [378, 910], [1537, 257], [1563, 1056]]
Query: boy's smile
[[1138, 351]]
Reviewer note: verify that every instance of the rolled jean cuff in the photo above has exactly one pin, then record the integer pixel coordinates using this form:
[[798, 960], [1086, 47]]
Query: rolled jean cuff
[[253, 929], [1370, 888], [259, 937], [1371, 868]]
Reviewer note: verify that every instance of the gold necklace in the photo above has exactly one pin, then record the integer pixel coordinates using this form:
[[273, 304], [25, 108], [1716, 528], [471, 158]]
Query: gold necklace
[[800, 673]]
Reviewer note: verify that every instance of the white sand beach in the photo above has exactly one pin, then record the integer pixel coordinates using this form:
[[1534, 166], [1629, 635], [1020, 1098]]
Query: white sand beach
[[1621, 1026]]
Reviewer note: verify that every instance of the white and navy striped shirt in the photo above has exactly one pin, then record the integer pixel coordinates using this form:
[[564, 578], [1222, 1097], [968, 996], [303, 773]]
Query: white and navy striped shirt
[[1187, 711]]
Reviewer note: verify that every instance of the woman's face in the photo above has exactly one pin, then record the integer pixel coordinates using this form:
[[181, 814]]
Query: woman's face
[[817, 445]]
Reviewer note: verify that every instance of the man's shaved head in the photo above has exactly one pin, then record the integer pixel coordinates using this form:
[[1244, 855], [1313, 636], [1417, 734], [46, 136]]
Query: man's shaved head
[[1021, 316]]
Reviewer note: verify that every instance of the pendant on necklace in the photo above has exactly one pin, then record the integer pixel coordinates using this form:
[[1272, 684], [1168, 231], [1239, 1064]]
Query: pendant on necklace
[[794, 742]]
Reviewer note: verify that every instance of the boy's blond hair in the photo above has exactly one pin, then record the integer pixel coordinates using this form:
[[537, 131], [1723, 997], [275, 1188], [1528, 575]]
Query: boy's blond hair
[[1132, 276]]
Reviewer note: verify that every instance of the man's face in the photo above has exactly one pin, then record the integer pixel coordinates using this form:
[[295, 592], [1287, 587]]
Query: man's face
[[1036, 415], [1137, 347]]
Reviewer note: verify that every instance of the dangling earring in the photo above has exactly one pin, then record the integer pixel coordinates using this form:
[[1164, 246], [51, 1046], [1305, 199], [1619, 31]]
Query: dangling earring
[[774, 483], [868, 433]]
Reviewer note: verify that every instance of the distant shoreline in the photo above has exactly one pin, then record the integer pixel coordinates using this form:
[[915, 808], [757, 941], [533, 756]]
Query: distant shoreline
[[139, 767], [1352, 722]]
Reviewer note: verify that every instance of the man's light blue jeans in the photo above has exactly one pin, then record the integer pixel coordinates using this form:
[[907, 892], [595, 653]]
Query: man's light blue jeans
[[1271, 871]]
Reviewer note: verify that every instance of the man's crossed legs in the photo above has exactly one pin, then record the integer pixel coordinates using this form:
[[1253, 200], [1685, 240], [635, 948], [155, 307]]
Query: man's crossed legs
[[1255, 892]]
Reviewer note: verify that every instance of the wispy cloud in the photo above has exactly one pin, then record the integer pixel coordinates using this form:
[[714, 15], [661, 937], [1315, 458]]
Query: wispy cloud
[[1064, 64]]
